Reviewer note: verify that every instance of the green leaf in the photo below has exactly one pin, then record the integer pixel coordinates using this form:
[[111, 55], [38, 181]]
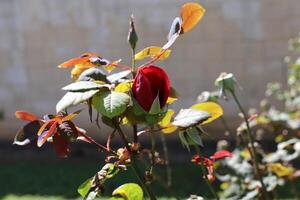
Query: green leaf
[[155, 107], [74, 98], [183, 139], [94, 185], [190, 117], [194, 137], [92, 74], [85, 187], [129, 191], [117, 76], [132, 35], [82, 86], [111, 104]]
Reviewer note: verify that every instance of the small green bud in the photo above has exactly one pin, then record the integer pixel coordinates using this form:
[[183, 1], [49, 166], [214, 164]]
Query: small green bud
[[132, 35], [226, 82]]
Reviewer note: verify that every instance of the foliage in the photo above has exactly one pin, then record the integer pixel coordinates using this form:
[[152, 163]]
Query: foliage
[[140, 97]]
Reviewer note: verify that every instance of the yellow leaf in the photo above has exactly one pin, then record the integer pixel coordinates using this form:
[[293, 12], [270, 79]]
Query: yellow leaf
[[214, 109], [78, 69], [280, 170], [152, 52], [123, 87], [169, 129], [167, 118], [191, 14], [111, 67], [171, 100], [165, 123], [173, 96]]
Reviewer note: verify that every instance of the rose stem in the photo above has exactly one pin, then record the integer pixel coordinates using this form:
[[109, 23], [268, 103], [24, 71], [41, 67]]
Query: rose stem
[[251, 140]]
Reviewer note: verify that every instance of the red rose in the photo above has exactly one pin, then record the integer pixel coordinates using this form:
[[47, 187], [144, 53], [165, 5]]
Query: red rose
[[149, 82]]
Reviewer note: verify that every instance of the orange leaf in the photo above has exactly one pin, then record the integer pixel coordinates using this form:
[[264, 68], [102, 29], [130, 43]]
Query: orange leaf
[[45, 126], [84, 60], [191, 13], [43, 138], [23, 115], [70, 116]]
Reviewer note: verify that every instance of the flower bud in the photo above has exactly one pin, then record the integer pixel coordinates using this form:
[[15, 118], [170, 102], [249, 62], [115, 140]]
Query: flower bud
[[225, 82]]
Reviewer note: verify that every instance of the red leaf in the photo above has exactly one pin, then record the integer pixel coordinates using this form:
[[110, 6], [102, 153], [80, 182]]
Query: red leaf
[[23, 115], [43, 137], [61, 145], [221, 154]]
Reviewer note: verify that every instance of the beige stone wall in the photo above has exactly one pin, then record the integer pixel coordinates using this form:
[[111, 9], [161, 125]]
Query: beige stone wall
[[246, 37]]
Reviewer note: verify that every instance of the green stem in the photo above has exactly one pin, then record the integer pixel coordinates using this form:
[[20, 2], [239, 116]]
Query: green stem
[[166, 156], [134, 164], [205, 174], [146, 187], [253, 153], [152, 136]]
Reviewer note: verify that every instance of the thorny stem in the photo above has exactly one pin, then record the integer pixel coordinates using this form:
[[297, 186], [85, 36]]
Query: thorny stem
[[135, 136], [252, 146], [123, 136], [146, 187], [134, 165], [166, 156], [205, 173], [100, 146]]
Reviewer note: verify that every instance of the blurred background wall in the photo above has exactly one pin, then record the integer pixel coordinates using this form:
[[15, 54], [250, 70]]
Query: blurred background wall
[[246, 37]]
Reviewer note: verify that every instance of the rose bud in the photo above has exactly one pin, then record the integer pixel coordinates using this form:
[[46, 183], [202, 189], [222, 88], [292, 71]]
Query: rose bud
[[149, 83]]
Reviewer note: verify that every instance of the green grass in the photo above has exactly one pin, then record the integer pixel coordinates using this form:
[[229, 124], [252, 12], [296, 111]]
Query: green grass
[[59, 179]]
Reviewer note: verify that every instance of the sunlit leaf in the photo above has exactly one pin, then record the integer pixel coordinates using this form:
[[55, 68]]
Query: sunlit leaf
[[123, 87], [83, 86], [166, 120], [280, 170], [111, 67], [23, 115], [191, 14], [85, 187], [92, 74], [152, 52], [171, 41], [175, 28], [71, 116], [129, 191], [214, 110], [46, 134], [165, 123], [173, 96], [190, 117], [94, 185], [111, 104], [117, 76], [74, 98]]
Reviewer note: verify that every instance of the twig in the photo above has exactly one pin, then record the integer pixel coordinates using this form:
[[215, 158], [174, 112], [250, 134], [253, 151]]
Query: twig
[[167, 161], [253, 153], [100, 146]]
